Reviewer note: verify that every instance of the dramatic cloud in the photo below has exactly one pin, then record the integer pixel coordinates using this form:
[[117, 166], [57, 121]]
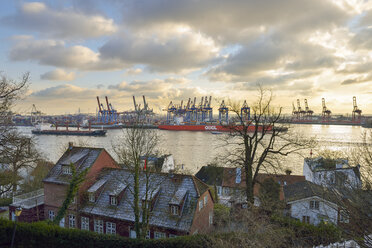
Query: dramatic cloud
[[58, 75], [56, 53], [171, 51], [60, 23]]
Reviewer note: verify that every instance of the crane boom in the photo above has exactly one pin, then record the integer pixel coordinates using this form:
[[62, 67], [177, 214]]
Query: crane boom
[[99, 104], [306, 106], [144, 102], [210, 100], [134, 102], [107, 103]]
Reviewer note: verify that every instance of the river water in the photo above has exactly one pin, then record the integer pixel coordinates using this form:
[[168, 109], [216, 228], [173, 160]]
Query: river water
[[196, 149]]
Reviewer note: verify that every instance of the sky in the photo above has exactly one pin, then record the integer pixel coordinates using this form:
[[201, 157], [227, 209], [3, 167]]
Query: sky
[[171, 50]]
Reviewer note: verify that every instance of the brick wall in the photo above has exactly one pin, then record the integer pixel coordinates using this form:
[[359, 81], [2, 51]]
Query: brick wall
[[201, 218], [29, 215], [123, 227]]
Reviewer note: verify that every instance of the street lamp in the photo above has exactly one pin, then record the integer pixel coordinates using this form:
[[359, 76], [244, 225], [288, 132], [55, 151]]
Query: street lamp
[[17, 213]]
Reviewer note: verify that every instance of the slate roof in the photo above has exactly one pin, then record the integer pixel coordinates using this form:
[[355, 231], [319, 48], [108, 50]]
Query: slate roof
[[306, 189], [169, 186], [81, 157], [210, 174]]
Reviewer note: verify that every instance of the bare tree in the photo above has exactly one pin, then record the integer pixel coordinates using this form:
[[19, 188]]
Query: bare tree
[[139, 144], [11, 142], [258, 142]]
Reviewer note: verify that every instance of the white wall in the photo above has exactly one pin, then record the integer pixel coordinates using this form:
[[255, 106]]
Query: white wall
[[301, 208]]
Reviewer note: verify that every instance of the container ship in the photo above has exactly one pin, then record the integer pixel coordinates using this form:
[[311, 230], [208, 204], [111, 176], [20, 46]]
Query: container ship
[[210, 128]]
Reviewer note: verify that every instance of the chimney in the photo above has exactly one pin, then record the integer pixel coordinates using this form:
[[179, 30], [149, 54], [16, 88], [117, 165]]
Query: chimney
[[70, 145], [238, 177], [288, 172]]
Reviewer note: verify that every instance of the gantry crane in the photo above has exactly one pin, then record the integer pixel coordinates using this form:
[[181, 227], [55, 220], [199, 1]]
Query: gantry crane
[[223, 115], [357, 113], [326, 113], [245, 112], [295, 112], [309, 112], [301, 112]]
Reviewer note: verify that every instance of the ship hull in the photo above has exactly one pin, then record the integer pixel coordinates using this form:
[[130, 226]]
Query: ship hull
[[70, 132], [209, 128]]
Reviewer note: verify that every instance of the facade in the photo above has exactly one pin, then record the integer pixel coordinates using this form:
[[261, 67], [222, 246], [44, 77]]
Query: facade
[[57, 180], [311, 203], [178, 204], [32, 205], [332, 173], [230, 183]]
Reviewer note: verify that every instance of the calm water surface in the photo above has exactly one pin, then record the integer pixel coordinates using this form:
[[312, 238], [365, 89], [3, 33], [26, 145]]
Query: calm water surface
[[195, 149]]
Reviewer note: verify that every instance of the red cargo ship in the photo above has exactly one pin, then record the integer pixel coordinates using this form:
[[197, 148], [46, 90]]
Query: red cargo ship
[[209, 127]]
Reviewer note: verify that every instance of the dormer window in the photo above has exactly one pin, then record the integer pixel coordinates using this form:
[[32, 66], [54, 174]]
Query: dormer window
[[92, 198], [174, 210], [66, 169], [113, 200]]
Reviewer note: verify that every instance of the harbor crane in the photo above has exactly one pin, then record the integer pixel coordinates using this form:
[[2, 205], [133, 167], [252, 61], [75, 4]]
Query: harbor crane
[[245, 112], [223, 116], [301, 112], [357, 113], [326, 113], [35, 115], [295, 112], [309, 112]]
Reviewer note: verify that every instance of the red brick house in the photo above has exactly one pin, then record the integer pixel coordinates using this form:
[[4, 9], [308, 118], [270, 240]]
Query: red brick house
[[179, 204], [57, 180]]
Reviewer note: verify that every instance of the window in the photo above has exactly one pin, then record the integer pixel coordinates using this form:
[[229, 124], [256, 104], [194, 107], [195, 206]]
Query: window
[[51, 214], [219, 190], [113, 200], [73, 200], [159, 235], [148, 235], [285, 182], [172, 236], [66, 169], [306, 219], [314, 205], [205, 200], [226, 191], [85, 223], [200, 205], [110, 228], [174, 210], [98, 226], [92, 198], [71, 221], [210, 218]]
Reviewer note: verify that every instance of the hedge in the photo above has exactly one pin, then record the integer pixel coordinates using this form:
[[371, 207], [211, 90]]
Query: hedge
[[43, 234], [304, 233]]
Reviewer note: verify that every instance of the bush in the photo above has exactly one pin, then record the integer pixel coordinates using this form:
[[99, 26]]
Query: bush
[[5, 201], [43, 234], [307, 234]]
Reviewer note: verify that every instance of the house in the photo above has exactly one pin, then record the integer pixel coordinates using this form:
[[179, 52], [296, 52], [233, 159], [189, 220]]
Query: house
[[164, 163], [32, 205], [178, 204], [58, 178], [312, 203], [332, 172], [230, 183]]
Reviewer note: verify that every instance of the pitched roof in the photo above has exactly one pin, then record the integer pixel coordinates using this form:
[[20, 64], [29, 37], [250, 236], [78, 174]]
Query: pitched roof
[[210, 174], [306, 189], [170, 187], [81, 157]]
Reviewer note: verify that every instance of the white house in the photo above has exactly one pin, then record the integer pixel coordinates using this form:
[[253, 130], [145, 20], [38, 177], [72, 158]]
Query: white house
[[311, 203], [332, 173]]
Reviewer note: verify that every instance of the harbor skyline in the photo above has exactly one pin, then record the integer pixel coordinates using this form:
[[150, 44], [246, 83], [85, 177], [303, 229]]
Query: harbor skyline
[[77, 50]]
